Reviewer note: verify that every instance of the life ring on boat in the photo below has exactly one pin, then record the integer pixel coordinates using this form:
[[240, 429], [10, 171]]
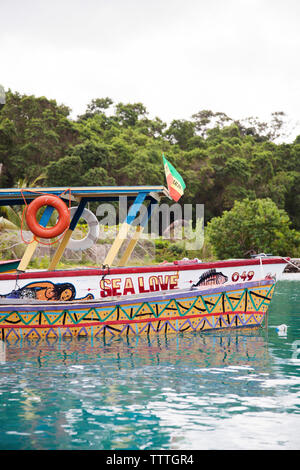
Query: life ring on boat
[[92, 235], [63, 221]]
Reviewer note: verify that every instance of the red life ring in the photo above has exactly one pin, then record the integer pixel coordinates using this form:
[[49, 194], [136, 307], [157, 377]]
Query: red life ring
[[63, 216]]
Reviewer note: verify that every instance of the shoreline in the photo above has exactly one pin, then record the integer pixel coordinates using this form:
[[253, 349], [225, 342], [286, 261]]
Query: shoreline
[[292, 269]]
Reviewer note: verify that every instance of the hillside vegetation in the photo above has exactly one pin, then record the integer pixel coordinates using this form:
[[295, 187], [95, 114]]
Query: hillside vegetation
[[228, 165]]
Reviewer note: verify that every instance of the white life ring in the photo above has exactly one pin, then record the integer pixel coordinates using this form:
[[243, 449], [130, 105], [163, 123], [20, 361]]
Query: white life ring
[[92, 235]]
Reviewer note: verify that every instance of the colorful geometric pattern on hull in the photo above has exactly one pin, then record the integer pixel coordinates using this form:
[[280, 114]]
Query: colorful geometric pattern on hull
[[198, 309]]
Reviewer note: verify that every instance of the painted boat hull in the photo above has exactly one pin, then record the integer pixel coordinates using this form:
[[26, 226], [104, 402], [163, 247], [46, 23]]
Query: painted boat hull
[[206, 308], [94, 283]]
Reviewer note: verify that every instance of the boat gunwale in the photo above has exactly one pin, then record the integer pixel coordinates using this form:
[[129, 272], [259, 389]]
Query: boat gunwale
[[141, 269]]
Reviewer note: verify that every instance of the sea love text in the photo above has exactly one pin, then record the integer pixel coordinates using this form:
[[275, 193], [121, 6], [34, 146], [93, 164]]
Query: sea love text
[[117, 286]]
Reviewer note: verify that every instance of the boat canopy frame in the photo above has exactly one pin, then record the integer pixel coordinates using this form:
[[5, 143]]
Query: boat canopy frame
[[82, 195]]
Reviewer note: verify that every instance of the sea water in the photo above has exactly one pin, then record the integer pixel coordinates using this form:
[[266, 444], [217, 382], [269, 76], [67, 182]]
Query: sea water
[[219, 390]]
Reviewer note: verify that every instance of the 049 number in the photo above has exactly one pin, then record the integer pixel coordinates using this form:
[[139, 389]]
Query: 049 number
[[244, 276]]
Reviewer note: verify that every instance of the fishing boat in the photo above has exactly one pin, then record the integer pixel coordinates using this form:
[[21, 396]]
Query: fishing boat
[[201, 308], [113, 277]]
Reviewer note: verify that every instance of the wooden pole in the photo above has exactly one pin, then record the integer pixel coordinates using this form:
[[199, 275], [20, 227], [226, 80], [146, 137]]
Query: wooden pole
[[61, 248], [131, 245], [113, 252], [136, 236]]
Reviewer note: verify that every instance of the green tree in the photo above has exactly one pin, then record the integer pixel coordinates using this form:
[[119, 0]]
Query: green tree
[[33, 132], [98, 177], [67, 171], [253, 226], [129, 114], [207, 119], [180, 132]]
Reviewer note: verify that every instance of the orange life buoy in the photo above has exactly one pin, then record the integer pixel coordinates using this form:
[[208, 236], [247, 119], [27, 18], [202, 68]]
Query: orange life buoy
[[63, 216]]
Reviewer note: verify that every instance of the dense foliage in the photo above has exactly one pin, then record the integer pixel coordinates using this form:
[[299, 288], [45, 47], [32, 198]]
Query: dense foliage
[[251, 227], [221, 160]]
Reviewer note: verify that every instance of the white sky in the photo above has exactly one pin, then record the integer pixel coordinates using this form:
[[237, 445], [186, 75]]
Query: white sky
[[177, 57]]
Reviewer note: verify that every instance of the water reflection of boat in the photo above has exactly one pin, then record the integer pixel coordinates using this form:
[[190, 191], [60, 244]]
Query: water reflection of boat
[[216, 349], [204, 308]]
